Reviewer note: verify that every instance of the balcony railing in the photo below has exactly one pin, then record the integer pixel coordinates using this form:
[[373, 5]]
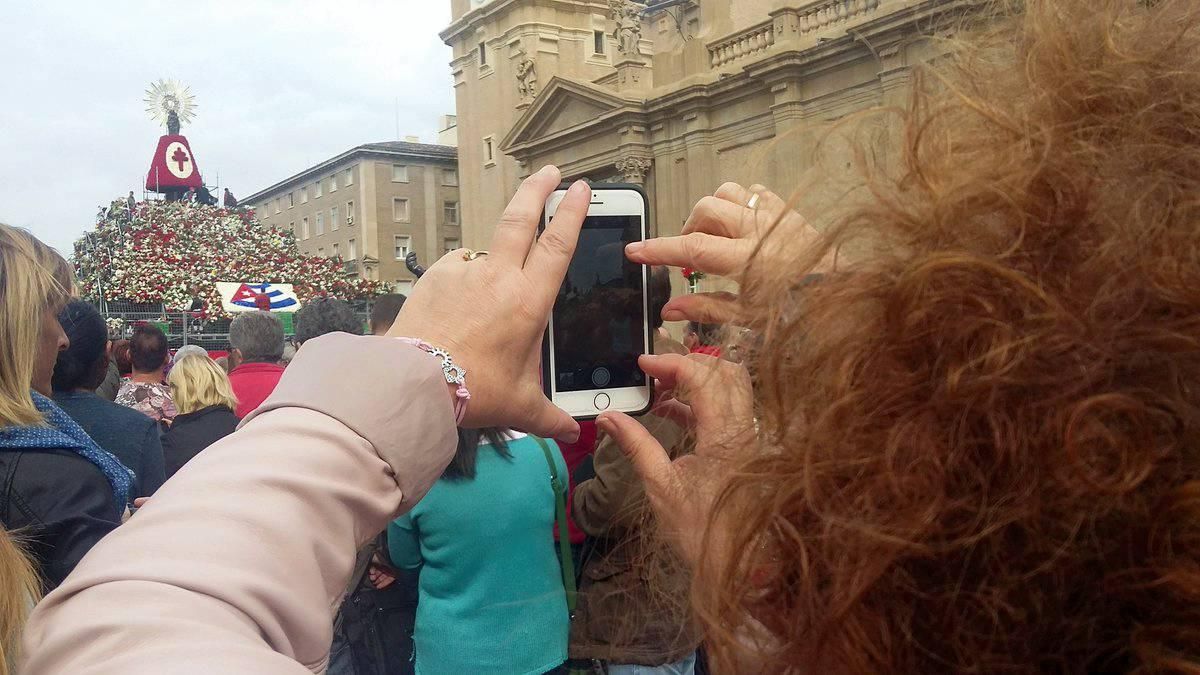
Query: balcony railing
[[757, 39], [787, 24]]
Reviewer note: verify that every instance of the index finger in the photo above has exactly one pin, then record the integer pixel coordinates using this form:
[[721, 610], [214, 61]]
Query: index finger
[[704, 252], [519, 223]]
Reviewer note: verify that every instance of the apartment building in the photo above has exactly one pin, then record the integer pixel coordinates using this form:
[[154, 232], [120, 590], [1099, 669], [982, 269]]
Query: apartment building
[[370, 206]]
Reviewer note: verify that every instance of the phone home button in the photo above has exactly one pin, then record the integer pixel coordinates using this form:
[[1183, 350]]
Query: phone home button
[[602, 401]]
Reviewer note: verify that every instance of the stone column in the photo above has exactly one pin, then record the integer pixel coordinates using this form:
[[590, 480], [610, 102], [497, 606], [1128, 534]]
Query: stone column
[[634, 169], [894, 74]]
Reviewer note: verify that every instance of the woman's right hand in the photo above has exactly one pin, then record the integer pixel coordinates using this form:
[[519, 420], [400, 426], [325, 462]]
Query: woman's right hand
[[721, 236], [490, 313]]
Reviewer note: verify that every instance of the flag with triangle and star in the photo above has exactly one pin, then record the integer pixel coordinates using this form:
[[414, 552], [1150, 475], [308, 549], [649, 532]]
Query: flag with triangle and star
[[245, 297]]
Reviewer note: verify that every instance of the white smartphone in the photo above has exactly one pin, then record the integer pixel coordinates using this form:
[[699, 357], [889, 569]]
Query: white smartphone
[[601, 319]]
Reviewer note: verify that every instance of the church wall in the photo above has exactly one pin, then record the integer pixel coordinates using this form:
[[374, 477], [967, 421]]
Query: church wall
[[759, 119], [559, 37]]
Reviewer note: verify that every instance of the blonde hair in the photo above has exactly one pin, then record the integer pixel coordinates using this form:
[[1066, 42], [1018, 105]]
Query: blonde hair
[[198, 382], [19, 591], [33, 279]]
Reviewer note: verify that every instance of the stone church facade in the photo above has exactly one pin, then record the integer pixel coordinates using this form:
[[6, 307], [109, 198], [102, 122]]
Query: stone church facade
[[678, 95]]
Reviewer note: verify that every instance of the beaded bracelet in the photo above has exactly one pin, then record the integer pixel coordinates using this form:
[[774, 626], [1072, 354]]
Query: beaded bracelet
[[456, 375]]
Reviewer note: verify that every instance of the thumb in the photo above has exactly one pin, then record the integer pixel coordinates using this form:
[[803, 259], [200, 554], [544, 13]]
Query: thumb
[[549, 421], [646, 454]]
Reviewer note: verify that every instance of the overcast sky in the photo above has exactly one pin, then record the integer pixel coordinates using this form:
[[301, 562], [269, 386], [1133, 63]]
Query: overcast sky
[[279, 85]]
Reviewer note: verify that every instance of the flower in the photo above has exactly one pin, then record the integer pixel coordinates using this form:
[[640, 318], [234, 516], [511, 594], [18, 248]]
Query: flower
[[169, 253]]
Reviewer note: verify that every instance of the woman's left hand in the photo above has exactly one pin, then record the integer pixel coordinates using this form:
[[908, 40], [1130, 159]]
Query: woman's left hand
[[724, 234], [490, 313], [715, 400]]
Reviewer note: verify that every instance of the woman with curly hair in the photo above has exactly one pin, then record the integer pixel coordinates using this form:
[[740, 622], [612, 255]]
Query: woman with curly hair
[[971, 446], [974, 444]]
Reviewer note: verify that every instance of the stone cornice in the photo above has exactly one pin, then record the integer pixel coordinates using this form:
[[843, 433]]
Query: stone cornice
[[792, 61], [473, 19]]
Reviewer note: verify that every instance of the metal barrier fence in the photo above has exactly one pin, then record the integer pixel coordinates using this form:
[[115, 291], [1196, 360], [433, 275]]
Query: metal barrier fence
[[187, 328]]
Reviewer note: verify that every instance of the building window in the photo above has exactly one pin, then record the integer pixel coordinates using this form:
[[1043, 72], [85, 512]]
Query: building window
[[348, 178], [352, 249], [400, 210], [266, 208], [489, 153], [399, 173], [291, 199], [304, 195], [336, 254], [334, 223], [598, 39], [483, 55], [450, 213], [450, 177], [349, 213], [403, 244], [278, 202], [333, 183], [304, 228], [452, 245], [321, 251], [317, 190], [320, 223], [292, 227]]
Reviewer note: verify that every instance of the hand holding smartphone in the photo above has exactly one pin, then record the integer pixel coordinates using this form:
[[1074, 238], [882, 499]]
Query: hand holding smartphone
[[601, 323]]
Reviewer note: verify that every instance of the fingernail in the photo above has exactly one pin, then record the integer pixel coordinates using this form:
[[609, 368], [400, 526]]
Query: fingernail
[[577, 187], [634, 247], [546, 169], [673, 315], [572, 437], [605, 424]]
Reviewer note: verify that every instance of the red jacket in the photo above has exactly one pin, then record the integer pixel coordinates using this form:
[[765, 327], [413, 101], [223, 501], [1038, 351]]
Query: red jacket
[[574, 454], [253, 383]]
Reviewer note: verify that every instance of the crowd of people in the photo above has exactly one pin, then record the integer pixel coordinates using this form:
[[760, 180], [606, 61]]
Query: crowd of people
[[953, 430]]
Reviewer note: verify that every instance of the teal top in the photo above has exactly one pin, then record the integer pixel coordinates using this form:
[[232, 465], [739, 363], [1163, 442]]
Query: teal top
[[491, 593]]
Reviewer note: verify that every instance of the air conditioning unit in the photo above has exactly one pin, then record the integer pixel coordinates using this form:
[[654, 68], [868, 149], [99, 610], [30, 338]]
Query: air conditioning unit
[[349, 220]]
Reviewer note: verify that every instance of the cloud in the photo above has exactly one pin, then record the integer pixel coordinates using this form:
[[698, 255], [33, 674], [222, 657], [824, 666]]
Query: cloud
[[280, 86]]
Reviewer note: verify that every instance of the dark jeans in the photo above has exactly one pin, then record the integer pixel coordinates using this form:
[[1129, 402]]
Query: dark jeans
[[374, 634]]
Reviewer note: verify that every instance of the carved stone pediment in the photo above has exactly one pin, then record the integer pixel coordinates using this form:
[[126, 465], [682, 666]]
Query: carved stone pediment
[[565, 105]]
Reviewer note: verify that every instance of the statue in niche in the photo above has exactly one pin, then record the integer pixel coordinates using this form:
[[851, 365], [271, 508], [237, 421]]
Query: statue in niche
[[628, 32], [526, 75]]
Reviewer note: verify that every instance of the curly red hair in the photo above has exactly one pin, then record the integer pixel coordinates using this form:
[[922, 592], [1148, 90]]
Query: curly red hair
[[982, 438]]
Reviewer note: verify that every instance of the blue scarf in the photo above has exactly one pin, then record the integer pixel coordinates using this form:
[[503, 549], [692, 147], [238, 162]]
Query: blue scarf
[[63, 433]]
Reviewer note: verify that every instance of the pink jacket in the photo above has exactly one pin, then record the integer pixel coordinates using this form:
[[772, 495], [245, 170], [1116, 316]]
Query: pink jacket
[[238, 563]]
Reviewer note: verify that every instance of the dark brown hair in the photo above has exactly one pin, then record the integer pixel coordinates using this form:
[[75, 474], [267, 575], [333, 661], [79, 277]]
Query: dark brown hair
[[384, 310], [148, 349], [981, 438], [120, 355], [462, 467]]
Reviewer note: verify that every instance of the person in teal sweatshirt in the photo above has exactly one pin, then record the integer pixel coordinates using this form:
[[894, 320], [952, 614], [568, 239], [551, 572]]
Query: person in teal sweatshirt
[[491, 598]]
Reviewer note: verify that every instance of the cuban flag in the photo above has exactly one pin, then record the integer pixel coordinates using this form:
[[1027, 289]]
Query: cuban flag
[[243, 297]]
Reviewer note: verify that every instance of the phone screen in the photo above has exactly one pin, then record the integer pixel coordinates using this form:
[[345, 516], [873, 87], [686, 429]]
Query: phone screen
[[599, 316]]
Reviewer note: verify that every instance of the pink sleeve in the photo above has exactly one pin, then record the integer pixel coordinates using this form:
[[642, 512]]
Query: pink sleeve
[[238, 562]]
